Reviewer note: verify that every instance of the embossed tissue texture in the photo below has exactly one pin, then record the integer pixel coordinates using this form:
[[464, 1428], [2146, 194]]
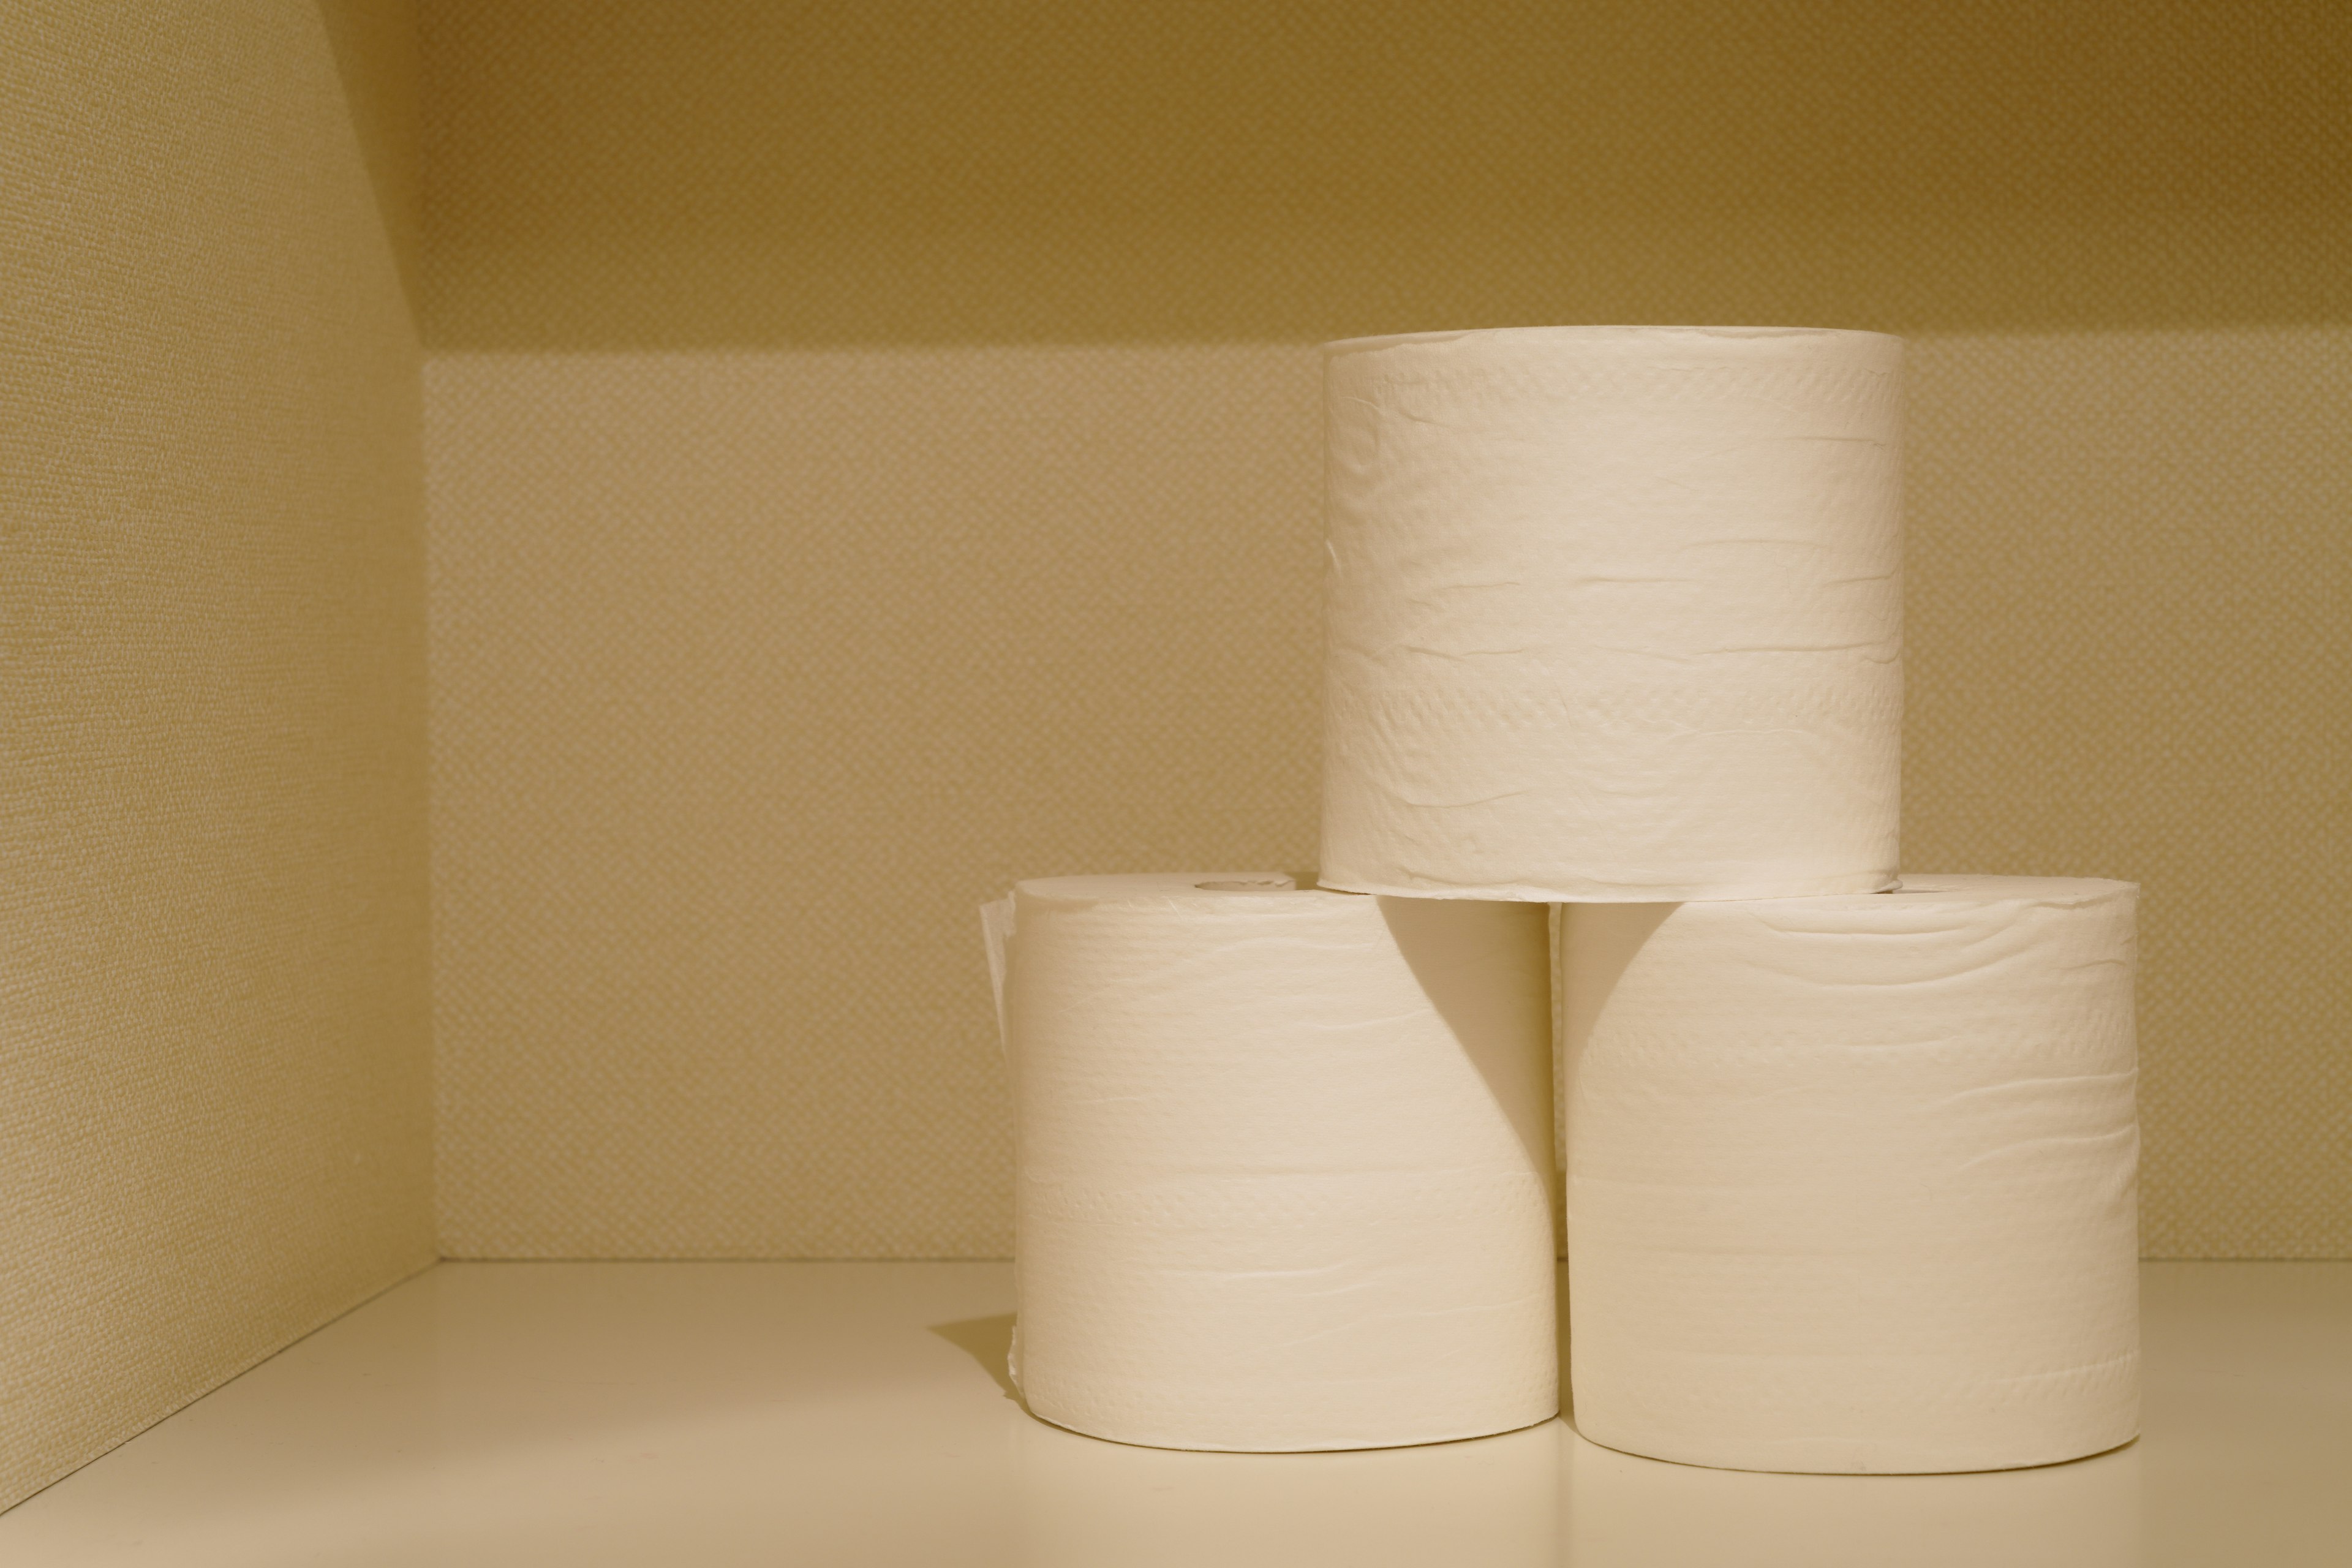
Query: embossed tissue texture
[[1285, 1161], [1850, 1180], [1615, 612]]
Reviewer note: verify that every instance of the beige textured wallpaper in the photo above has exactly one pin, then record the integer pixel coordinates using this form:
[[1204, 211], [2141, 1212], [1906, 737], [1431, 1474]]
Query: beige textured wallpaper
[[754, 676], [754, 673], [215, 1098], [2130, 655], [727, 173], [871, 455]]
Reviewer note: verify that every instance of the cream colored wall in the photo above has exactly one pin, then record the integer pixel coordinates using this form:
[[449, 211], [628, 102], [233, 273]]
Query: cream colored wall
[[753, 675], [732, 173], [872, 456], [2130, 655], [214, 1093]]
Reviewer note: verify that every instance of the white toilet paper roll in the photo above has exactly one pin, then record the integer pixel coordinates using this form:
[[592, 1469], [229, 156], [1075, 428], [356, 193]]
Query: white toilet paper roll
[[1488, 1504], [1284, 1162], [1625, 1513], [1614, 613], [1851, 1179]]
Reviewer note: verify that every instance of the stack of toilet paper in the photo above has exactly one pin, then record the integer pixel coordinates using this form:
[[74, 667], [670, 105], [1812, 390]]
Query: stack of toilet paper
[[1615, 626]]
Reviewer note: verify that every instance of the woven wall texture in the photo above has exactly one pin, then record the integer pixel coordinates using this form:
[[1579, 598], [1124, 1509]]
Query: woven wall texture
[[871, 456], [2130, 655], [728, 173], [215, 1107], [754, 673], [754, 676]]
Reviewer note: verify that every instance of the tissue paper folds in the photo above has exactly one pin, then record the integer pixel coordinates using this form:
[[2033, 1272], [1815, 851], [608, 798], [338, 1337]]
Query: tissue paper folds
[[1851, 1179], [1285, 1161], [1614, 613]]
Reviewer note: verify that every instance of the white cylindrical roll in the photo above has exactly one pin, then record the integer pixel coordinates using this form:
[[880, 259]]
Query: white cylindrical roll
[[1490, 1504], [1850, 1180], [1614, 613], [1620, 1511], [1284, 1162]]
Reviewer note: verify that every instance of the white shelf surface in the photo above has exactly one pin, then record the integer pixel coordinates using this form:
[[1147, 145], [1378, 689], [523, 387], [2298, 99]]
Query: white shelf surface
[[708, 1414]]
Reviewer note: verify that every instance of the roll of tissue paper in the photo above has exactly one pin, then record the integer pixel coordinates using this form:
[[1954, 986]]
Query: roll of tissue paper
[[1494, 1504], [1614, 613], [1285, 1161], [1850, 1180]]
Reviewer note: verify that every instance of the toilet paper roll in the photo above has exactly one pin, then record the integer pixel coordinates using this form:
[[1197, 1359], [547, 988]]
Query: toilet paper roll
[[1614, 613], [1626, 1512], [1494, 1503], [1284, 1162], [1850, 1180]]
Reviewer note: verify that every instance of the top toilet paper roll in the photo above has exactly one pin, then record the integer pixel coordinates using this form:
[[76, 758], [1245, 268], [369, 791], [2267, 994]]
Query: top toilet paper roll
[[1284, 1162], [1614, 613], [1851, 1179]]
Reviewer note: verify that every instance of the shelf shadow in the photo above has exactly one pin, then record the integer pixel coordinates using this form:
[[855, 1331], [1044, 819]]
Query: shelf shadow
[[989, 1342]]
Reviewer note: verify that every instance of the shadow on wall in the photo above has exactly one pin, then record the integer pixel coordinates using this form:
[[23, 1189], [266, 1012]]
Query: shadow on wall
[[832, 495], [375, 49], [738, 174]]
